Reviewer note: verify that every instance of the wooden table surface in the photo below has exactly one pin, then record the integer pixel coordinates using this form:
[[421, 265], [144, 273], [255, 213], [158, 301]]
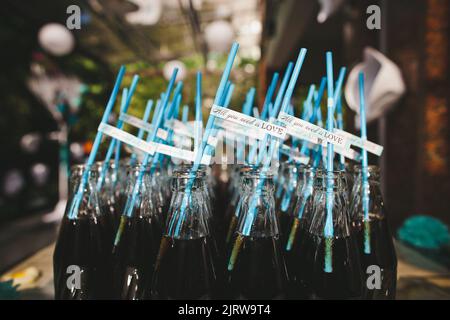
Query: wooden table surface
[[418, 276]]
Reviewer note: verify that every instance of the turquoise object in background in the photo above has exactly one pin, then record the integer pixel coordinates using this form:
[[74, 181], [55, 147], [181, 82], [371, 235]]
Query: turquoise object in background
[[424, 232], [8, 291]]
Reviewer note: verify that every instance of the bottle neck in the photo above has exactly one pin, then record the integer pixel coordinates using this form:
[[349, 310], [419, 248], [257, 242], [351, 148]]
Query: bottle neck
[[334, 179]]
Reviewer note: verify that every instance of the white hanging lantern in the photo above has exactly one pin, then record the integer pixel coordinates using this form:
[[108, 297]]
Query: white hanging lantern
[[170, 66], [219, 36], [56, 39]]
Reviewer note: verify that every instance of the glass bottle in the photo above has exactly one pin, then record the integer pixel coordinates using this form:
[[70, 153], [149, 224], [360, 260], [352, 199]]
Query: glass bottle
[[332, 268], [294, 180], [81, 260], [107, 191], [298, 230], [137, 240], [242, 192], [186, 264], [256, 268], [382, 252]]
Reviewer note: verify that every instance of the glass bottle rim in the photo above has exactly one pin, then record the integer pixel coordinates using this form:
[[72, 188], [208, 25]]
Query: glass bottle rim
[[185, 172], [257, 172], [374, 169]]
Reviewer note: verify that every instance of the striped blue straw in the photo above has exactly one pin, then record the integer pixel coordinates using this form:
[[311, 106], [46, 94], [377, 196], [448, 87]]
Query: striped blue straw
[[152, 138], [340, 125], [185, 114], [119, 125], [269, 94], [141, 132], [364, 171], [275, 109], [74, 206], [246, 109], [228, 96], [209, 127], [157, 120], [307, 110], [198, 113], [170, 112], [265, 112], [329, 230], [273, 146], [308, 188]]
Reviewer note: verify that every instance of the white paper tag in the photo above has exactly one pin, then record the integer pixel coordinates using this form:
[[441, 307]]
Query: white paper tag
[[349, 153], [307, 131], [138, 123], [295, 154], [186, 130], [363, 144], [237, 132], [150, 147], [248, 121]]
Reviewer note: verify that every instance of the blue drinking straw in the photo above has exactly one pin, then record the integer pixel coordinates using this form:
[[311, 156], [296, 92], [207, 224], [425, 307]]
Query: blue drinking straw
[[120, 124], [340, 125], [119, 143], [198, 113], [172, 106], [317, 102], [209, 127], [225, 92], [156, 113], [332, 97], [274, 111], [74, 206], [265, 111], [141, 132], [307, 110], [308, 188], [307, 106], [152, 138], [269, 94], [185, 114], [251, 212], [246, 109], [169, 113], [329, 230], [229, 94], [174, 115], [365, 173]]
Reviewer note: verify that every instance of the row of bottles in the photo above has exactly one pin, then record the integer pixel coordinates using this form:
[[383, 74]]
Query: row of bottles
[[250, 238]]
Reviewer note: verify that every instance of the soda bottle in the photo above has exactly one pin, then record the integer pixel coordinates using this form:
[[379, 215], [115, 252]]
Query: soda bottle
[[81, 260], [256, 268], [137, 239], [332, 268], [382, 254], [186, 265]]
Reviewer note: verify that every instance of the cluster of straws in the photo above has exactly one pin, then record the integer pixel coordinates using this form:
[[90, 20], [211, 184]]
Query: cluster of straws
[[165, 111]]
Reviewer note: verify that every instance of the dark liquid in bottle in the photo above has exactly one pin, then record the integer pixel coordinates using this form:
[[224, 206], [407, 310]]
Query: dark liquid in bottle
[[259, 271], [82, 258], [284, 220], [135, 255], [346, 279], [185, 269], [296, 265], [382, 255]]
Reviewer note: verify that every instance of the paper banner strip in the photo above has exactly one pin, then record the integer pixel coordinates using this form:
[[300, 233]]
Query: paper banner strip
[[307, 131], [248, 122], [139, 123], [363, 144], [150, 147]]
